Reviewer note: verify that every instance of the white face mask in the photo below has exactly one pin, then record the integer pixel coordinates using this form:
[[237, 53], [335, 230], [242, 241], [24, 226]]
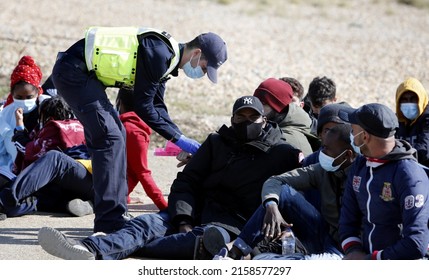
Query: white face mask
[[27, 105], [191, 72], [410, 110], [352, 142], [327, 162]]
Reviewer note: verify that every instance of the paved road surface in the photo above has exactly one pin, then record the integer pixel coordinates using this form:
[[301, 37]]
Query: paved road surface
[[18, 236]]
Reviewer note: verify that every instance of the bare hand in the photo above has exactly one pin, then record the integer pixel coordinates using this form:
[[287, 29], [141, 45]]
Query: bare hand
[[19, 116], [273, 222], [184, 158]]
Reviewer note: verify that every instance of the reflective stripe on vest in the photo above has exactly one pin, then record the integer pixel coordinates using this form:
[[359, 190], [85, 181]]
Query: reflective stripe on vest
[[112, 52]]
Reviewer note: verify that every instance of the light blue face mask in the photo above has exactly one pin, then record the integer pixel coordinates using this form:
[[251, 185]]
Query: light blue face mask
[[352, 142], [191, 72], [327, 162], [27, 105], [410, 110]]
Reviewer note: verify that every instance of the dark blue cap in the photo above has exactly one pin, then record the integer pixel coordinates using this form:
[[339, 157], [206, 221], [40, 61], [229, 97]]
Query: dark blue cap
[[214, 50], [377, 119], [329, 113], [248, 102]]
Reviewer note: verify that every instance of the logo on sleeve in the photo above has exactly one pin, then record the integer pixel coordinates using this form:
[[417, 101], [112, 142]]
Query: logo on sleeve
[[420, 200], [386, 192], [411, 201], [356, 183]]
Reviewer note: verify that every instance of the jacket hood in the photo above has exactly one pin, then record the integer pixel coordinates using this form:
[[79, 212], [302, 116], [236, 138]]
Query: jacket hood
[[297, 118], [402, 150], [414, 85], [134, 119]]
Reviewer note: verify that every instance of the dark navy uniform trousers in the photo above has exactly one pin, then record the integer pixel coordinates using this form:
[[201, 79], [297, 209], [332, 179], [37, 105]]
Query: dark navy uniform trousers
[[104, 134]]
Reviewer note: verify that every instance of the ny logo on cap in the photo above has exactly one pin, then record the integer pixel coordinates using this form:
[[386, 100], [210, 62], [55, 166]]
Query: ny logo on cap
[[247, 100]]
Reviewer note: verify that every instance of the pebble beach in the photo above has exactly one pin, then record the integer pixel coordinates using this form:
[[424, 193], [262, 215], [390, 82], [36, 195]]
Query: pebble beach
[[367, 47]]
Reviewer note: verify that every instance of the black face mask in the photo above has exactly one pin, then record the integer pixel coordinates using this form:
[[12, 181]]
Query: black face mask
[[276, 117], [247, 131]]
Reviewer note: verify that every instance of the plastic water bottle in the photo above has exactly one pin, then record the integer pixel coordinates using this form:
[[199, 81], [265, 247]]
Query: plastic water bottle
[[288, 243]]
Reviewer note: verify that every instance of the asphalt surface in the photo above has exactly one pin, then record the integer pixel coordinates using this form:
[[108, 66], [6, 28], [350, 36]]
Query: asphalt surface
[[18, 236]]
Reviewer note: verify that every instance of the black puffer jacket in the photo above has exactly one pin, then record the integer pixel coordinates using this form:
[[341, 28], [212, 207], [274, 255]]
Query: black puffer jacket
[[222, 183]]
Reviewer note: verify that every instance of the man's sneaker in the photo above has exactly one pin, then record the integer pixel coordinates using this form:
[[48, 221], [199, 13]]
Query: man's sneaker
[[200, 252], [213, 240], [324, 256], [58, 245], [222, 255], [80, 208]]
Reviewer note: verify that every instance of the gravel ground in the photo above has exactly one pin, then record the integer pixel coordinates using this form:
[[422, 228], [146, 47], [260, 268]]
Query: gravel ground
[[367, 47]]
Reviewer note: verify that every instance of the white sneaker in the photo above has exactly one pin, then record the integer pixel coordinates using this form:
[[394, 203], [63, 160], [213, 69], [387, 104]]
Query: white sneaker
[[324, 256], [222, 255], [58, 245], [80, 208]]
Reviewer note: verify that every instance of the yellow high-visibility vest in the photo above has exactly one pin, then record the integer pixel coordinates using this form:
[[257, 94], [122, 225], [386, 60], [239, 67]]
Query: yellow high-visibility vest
[[112, 52]]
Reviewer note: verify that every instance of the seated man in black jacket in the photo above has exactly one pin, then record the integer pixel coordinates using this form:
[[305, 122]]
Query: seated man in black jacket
[[220, 186]]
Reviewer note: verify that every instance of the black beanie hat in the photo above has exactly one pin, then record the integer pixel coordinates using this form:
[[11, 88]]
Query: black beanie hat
[[329, 113]]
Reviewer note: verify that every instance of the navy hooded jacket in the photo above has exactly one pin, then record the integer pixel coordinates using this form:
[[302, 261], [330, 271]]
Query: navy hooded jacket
[[385, 209]]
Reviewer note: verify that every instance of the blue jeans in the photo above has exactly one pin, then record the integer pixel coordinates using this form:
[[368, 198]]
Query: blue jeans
[[105, 139], [54, 179], [148, 235], [308, 224]]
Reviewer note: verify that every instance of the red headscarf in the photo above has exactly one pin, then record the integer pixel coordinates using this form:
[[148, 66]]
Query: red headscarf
[[27, 71]]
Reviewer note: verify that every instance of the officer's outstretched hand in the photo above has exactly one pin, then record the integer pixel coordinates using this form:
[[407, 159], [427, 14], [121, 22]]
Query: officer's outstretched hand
[[187, 144]]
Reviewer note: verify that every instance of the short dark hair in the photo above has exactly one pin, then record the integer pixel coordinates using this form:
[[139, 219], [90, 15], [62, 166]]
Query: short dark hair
[[194, 44], [321, 89], [297, 88]]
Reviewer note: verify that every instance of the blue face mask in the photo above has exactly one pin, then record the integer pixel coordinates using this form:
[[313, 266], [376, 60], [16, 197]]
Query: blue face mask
[[352, 142], [191, 72], [410, 110], [327, 162]]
